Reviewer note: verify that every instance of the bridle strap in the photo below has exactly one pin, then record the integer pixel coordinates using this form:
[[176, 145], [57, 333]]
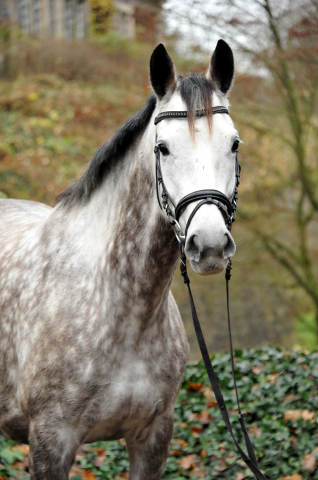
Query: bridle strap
[[250, 459], [184, 114], [209, 200]]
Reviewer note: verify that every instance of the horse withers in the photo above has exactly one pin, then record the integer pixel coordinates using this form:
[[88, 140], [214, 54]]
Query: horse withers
[[92, 346]]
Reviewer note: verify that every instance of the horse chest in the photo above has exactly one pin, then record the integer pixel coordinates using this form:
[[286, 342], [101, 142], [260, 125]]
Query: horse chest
[[135, 394]]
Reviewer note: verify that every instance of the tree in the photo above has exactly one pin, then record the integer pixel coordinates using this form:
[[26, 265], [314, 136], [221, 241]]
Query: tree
[[280, 40], [101, 11]]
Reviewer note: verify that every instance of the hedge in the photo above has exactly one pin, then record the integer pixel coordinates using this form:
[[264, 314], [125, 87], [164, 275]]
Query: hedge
[[279, 393]]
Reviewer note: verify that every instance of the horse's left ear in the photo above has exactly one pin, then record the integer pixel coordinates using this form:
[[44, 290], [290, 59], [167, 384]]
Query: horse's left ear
[[162, 72], [221, 68]]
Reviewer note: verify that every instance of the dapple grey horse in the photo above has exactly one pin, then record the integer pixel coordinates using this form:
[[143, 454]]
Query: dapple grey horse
[[92, 346]]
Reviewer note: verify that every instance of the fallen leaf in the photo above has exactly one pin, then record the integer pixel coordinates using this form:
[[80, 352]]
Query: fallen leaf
[[88, 475], [23, 466], [175, 452], [208, 393], [309, 462], [75, 471], [240, 476], [180, 442], [203, 453], [221, 466], [25, 449], [197, 472], [289, 399], [197, 429], [193, 417], [293, 415], [295, 476], [257, 370], [188, 462], [256, 431], [123, 476], [212, 404], [204, 417], [99, 460], [195, 386]]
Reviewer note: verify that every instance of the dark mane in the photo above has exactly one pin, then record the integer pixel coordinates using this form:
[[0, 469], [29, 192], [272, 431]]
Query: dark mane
[[108, 154], [196, 92]]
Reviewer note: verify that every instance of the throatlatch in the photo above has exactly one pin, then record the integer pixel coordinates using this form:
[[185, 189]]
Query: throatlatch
[[228, 209]]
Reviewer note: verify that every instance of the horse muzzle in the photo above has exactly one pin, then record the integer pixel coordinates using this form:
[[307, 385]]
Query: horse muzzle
[[209, 244]]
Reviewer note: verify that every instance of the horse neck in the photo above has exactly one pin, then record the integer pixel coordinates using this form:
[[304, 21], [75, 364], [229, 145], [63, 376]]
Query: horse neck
[[121, 234]]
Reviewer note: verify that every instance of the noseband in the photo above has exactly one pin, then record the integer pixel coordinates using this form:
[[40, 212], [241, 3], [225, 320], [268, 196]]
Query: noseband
[[227, 206]]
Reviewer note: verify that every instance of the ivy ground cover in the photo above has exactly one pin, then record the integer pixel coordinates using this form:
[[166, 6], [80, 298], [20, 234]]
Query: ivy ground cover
[[279, 393]]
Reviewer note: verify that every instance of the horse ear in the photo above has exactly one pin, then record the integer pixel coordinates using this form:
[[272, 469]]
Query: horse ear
[[221, 68], [162, 71]]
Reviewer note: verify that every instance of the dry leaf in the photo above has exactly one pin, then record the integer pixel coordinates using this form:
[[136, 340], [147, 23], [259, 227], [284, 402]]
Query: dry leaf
[[197, 472], [257, 370], [123, 476], [212, 404], [204, 417], [23, 466], [256, 431], [240, 476], [208, 393], [289, 398], [88, 475], [309, 462], [295, 476], [203, 453], [308, 415], [99, 460], [180, 442], [273, 378], [293, 415], [195, 386], [193, 417], [25, 449], [75, 471], [188, 462], [197, 429], [175, 452]]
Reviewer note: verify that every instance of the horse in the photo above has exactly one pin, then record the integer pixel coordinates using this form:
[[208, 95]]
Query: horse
[[92, 346]]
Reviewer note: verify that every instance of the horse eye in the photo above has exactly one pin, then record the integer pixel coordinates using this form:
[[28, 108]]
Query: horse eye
[[163, 149], [235, 146]]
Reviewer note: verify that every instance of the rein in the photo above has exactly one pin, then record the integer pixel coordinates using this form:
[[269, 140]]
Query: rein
[[228, 209]]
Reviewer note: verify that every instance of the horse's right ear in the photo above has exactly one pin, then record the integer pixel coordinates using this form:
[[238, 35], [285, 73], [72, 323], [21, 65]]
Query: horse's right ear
[[162, 72], [221, 68]]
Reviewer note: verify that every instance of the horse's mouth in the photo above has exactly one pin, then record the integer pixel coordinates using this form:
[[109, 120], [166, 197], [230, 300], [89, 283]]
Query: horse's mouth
[[208, 268]]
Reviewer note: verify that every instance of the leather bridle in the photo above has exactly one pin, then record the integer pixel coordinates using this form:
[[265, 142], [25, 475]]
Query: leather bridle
[[227, 206]]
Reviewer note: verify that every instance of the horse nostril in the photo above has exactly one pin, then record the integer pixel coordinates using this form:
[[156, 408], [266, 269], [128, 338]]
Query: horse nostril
[[229, 248], [193, 248]]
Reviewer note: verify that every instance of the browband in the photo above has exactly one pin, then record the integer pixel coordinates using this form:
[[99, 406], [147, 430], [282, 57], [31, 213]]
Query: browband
[[184, 114]]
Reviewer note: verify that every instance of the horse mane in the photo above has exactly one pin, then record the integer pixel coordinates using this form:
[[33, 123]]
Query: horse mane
[[195, 90]]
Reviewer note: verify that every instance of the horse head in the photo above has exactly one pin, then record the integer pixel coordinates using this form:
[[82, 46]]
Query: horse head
[[197, 152]]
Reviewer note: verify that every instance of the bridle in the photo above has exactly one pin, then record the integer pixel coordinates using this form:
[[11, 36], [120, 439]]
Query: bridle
[[227, 207]]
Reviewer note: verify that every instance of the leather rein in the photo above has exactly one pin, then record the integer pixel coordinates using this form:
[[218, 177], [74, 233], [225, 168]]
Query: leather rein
[[227, 207]]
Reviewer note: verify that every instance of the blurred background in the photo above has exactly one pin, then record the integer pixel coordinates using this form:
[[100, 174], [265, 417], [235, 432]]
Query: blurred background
[[72, 71]]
